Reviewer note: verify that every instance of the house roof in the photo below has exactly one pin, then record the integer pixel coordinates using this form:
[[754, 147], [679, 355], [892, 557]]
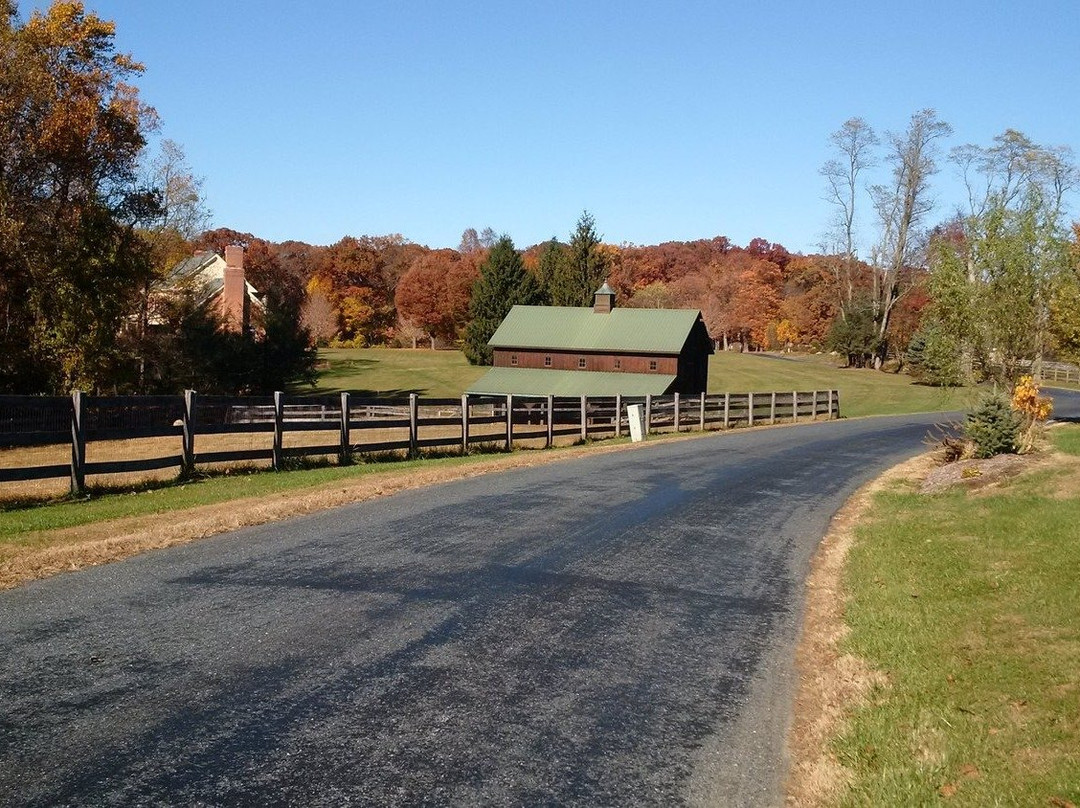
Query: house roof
[[204, 273], [576, 328], [542, 382]]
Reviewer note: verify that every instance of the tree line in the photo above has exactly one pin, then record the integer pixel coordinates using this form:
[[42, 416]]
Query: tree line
[[92, 220]]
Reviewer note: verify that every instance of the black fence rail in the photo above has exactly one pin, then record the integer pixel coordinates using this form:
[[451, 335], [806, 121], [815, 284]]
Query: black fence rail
[[350, 425]]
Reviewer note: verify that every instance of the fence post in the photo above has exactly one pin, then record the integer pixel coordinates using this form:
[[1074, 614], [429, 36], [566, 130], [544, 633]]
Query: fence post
[[345, 438], [813, 407], [78, 443], [772, 408], [414, 428], [648, 413], [509, 421], [701, 413], [750, 409], [795, 406], [550, 421], [279, 429], [584, 421], [464, 423], [830, 394], [676, 412], [837, 410], [727, 410], [187, 441]]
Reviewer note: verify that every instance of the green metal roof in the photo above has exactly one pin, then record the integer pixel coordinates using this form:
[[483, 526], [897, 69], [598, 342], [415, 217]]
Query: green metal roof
[[542, 382], [576, 328]]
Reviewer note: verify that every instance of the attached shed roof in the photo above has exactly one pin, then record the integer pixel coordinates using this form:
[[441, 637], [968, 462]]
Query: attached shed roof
[[542, 382], [576, 328]]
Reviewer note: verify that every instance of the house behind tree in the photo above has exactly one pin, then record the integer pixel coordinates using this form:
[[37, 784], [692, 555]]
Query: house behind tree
[[220, 283], [568, 350]]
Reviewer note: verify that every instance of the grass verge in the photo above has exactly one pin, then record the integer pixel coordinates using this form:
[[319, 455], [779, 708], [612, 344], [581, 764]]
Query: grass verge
[[965, 604]]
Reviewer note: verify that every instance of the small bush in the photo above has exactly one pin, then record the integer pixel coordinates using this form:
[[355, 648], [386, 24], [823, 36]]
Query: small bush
[[993, 426]]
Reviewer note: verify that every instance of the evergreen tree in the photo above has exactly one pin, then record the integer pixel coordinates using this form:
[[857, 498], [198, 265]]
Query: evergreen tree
[[583, 269], [504, 283], [552, 258]]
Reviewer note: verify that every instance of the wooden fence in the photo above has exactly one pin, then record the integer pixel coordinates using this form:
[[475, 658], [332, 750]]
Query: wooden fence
[[362, 426], [1059, 372]]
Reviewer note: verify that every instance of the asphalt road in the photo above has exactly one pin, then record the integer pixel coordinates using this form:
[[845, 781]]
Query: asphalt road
[[614, 630]]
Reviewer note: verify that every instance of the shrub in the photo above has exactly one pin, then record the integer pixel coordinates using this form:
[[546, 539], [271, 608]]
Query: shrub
[[933, 357], [993, 427], [1032, 410]]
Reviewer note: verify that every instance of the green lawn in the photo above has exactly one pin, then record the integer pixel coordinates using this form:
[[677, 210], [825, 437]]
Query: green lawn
[[389, 372], [968, 603], [18, 523], [395, 372]]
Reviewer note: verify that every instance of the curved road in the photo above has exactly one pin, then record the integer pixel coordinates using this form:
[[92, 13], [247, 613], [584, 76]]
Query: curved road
[[614, 630]]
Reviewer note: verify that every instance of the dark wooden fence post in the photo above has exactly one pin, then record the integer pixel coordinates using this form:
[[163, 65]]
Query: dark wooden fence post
[[345, 438], [701, 413], [550, 422], [465, 423], [187, 442], [279, 430], [836, 393], [648, 413], [584, 422], [676, 412], [78, 443], [414, 427], [618, 415], [509, 421]]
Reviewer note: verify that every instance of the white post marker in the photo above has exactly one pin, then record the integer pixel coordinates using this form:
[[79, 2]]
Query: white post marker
[[636, 418]]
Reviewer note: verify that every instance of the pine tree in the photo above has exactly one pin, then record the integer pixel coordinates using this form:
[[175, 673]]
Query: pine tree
[[583, 269], [504, 283]]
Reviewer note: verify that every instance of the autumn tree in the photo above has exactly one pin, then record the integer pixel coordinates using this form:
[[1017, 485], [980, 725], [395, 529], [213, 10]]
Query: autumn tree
[[71, 130], [503, 283], [1015, 248], [434, 294]]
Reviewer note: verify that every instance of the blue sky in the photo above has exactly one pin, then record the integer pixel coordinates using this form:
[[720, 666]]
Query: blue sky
[[667, 121]]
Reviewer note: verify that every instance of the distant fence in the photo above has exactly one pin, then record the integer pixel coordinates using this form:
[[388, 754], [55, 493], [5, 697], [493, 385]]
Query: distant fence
[[1059, 372], [361, 425]]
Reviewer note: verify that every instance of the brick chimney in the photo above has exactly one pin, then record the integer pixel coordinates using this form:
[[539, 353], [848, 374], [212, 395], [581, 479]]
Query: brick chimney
[[234, 295], [603, 300]]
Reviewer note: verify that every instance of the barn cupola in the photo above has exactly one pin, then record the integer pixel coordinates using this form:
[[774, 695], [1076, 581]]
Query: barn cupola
[[603, 300]]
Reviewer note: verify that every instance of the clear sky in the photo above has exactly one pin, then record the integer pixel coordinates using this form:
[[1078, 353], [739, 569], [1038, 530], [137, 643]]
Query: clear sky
[[667, 121]]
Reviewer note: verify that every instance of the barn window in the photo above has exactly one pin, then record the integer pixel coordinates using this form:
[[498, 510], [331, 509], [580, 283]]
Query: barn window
[[652, 364], [547, 361], [513, 359], [581, 362], [618, 364]]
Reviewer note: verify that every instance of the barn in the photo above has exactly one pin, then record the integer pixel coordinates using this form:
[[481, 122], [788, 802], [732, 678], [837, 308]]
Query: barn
[[598, 351]]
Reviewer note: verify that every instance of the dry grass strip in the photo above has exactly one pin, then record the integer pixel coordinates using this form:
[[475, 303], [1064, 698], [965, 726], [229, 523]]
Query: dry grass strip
[[831, 683]]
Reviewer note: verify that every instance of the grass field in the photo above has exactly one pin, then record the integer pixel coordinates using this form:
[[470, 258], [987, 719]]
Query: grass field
[[967, 602], [390, 372]]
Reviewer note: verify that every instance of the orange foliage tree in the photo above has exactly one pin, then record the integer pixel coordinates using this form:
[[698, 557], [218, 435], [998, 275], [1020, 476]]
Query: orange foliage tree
[[434, 293]]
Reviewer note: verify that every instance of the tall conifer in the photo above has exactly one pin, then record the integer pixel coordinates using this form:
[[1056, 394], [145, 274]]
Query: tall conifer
[[504, 283]]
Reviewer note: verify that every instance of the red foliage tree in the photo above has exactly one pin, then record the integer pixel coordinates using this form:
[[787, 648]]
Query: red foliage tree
[[434, 293]]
